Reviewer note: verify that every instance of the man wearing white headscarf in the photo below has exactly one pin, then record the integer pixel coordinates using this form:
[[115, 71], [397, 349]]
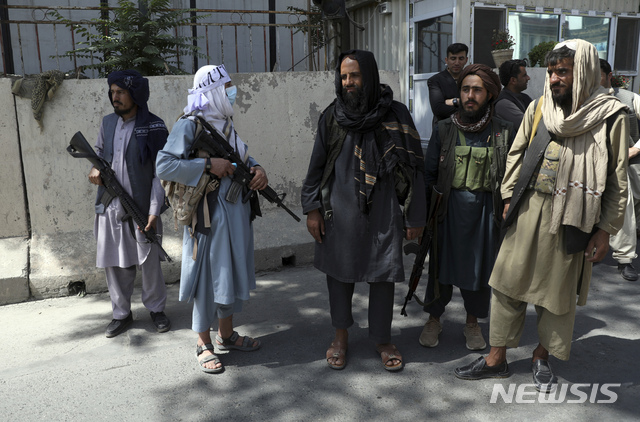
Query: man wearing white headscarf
[[565, 191], [220, 275]]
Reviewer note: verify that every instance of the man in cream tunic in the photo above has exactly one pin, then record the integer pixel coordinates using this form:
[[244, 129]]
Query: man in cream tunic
[[574, 194]]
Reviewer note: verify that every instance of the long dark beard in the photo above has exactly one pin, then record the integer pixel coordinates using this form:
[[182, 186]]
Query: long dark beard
[[354, 102], [564, 101], [474, 116]]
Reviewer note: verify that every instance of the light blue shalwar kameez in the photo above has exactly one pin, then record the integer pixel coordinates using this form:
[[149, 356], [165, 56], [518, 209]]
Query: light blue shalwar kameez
[[223, 274]]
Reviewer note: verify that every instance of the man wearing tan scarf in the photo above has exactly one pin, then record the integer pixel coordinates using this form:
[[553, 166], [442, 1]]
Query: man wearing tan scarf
[[565, 191]]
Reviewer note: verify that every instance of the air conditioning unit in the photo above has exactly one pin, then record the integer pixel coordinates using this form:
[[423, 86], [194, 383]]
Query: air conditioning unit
[[384, 8]]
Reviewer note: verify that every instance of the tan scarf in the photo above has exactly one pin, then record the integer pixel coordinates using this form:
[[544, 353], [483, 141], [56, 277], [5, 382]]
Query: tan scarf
[[582, 170]]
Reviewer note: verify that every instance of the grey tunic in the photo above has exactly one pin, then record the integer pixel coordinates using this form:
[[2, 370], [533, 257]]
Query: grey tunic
[[358, 247]]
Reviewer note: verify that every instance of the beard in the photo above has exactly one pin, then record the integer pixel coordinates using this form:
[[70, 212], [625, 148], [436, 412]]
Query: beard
[[564, 100], [473, 116], [354, 101], [122, 111]]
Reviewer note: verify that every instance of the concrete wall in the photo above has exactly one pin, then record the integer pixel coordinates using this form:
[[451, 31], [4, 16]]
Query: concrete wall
[[46, 240]]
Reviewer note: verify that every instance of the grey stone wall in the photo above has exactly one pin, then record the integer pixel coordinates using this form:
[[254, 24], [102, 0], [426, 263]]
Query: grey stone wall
[[46, 239]]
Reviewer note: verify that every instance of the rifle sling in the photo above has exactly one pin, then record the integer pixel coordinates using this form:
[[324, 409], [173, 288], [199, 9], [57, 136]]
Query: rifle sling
[[530, 164]]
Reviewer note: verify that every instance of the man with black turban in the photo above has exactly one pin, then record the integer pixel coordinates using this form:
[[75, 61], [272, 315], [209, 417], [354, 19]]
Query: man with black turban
[[129, 140], [364, 185], [465, 162]]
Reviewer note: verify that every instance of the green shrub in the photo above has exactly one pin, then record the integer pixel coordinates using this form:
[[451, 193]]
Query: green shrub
[[140, 36], [539, 52]]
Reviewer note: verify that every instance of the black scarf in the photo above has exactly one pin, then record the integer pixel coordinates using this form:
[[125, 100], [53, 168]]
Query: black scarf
[[376, 155]]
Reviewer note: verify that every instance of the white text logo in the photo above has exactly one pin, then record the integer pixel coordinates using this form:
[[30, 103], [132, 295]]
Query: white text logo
[[562, 393]]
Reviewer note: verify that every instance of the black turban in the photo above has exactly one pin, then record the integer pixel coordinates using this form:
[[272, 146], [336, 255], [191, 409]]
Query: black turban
[[150, 130]]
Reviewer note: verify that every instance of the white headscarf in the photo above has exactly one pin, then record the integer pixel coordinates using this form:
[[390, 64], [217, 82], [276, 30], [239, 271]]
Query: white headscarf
[[208, 98]]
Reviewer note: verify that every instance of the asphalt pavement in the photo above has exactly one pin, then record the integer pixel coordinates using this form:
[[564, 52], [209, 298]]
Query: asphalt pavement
[[57, 365]]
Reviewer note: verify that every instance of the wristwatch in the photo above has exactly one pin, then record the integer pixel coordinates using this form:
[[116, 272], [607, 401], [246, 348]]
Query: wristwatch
[[455, 102], [207, 165]]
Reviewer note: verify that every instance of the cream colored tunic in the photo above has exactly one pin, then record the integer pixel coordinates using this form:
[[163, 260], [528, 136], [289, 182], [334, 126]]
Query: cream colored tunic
[[531, 265]]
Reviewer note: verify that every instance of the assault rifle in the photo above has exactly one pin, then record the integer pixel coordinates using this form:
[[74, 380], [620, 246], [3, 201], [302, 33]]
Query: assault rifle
[[213, 143], [421, 249], [80, 148]]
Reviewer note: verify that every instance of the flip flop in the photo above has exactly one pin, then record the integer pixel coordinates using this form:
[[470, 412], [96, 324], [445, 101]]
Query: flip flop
[[386, 357], [230, 343], [336, 351], [213, 357]]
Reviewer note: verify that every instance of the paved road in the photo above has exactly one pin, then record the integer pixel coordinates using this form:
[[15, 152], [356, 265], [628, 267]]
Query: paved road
[[57, 365]]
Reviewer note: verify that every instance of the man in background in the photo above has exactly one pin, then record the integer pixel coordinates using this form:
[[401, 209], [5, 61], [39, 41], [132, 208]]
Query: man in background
[[443, 88], [512, 102], [624, 243]]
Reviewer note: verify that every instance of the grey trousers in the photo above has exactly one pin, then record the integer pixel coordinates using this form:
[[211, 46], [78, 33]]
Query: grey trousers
[[380, 307], [120, 284]]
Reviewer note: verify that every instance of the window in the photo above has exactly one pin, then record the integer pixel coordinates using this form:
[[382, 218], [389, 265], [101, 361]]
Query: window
[[433, 36], [484, 22], [530, 29], [627, 51], [592, 29]]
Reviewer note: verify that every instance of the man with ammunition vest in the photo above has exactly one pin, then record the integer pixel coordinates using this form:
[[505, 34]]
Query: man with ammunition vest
[[465, 163]]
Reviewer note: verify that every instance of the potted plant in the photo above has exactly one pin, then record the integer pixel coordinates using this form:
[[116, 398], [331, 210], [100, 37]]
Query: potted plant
[[501, 46], [539, 52], [620, 81]]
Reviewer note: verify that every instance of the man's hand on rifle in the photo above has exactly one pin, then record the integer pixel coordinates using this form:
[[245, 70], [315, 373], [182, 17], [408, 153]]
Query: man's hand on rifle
[[259, 180], [315, 225], [153, 222], [413, 232], [221, 167], [94, 176]]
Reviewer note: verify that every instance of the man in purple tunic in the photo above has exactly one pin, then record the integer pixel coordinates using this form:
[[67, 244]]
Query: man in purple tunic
[[129, 140]]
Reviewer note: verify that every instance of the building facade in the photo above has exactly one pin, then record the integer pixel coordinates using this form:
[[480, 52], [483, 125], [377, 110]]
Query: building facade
[[411, 36]]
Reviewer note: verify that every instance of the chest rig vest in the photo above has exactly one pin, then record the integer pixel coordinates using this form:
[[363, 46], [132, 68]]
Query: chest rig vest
[[472, 168]]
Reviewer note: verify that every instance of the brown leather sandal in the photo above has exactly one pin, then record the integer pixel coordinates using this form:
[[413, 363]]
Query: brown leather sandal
[[387, 357], [338, 352]]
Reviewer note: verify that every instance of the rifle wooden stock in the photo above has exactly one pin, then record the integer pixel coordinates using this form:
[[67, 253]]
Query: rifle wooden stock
[[80, 148], [421, 249]]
